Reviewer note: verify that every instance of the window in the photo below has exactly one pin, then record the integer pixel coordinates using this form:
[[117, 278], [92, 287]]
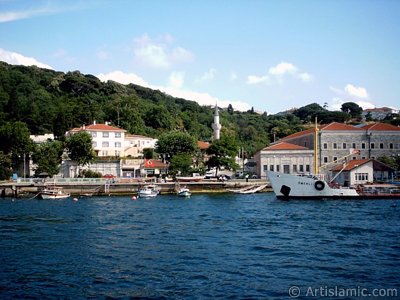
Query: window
[[334, 158], [372, 145], [94, 144], [391, 146], [94, 134], [277, 168], [325, 159], [294, 168], [118, 134], [354, 146], [117, 144], [361, 176], [334, 146], [265, 168], [305, 144], [381, 146], [344, 146], [105, 134], [363, 146], [325, 146], [307, 168], [104, 153], [271, 168], [301, 168], [105, 144]]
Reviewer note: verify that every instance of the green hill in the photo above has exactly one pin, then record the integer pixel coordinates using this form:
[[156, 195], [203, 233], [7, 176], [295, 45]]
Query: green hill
[[54, 102]]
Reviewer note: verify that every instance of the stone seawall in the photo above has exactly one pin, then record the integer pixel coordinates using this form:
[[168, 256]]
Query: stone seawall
[[13, 189]]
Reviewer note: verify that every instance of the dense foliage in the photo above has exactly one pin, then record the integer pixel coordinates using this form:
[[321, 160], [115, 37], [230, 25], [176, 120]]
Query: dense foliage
[[54, 102]]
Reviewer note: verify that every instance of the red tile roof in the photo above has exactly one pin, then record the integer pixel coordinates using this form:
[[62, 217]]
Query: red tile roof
[[203, 145], [285, 146], [334, 126], [352, 164], [98, 127], [380, 127]]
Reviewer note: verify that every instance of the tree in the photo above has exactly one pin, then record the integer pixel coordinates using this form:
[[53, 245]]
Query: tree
[[230, 109], [222, 153], [353, 109], [148, 153], [175, 142], [5, 166], [181, 163], [79, 148], [47, 157]]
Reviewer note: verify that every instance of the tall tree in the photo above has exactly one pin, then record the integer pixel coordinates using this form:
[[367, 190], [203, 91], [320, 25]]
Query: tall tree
[[353, 109], [222, 153], [175, 142], [79, 148], [47, 157]]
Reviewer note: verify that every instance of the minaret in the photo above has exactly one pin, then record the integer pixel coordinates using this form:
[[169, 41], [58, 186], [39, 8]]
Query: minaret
[[216, 126]]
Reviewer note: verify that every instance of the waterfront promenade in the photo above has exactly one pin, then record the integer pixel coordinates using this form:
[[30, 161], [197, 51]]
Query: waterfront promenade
[[116, 186]]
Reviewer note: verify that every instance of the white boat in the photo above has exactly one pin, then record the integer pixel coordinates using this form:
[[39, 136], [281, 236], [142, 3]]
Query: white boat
[[288, 186], [184, 192], [148, 191], [53, 192], [249, 189]]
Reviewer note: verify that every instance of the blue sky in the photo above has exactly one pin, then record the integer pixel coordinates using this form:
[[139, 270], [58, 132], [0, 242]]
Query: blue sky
[[270, 55]]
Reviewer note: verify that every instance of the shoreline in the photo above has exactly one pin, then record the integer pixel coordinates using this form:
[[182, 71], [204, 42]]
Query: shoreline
[[106, 188]]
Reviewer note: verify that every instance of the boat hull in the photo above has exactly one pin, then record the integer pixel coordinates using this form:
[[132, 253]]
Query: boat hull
[[287, 186]]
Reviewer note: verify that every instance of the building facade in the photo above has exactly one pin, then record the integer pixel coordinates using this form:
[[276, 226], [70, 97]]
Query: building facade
[[340, 142], [284, 157]]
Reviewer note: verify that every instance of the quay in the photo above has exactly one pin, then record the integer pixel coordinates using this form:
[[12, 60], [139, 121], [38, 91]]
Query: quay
[[117, 186]]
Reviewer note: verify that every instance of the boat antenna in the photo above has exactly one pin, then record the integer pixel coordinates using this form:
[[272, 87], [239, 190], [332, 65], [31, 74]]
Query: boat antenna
[[316, 169]]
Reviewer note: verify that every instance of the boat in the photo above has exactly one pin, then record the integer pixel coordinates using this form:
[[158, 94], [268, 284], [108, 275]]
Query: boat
[[149, 191], [184, 192], [288, 186], [53, 192], [189, 178], [249, 189]]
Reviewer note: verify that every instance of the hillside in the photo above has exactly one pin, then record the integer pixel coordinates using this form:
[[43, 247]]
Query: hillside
[[54, 102]]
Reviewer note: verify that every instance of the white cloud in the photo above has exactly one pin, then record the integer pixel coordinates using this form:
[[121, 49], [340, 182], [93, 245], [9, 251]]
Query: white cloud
[[159, 53], [11, 16], [18, 59], [175, 89], [336, 104], [176, 79], [283, 68], [253, 79], [209, 75], [277, 73], [124, 78], [358, 92], [305, 77]]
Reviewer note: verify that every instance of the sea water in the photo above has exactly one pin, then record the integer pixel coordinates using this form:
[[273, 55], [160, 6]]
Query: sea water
[[225, 246]]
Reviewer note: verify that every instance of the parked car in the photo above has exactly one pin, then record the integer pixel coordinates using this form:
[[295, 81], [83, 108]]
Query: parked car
[[109, 176]]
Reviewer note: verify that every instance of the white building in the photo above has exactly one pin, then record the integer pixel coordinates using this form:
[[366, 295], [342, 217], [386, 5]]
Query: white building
[[284, 157], [135, 144], [108, 141]]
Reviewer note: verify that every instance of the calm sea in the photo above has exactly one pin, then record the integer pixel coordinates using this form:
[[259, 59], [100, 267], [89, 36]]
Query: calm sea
[[206, 247]]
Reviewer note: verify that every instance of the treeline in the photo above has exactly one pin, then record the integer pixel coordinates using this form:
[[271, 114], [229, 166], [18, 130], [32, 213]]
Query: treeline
[[48, 101]]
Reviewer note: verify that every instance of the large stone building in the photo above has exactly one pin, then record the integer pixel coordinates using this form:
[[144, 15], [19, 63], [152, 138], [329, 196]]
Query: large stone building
[[338, 143], [284, 157]]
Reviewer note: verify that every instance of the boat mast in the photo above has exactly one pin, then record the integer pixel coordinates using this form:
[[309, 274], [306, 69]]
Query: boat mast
[[316, 169]]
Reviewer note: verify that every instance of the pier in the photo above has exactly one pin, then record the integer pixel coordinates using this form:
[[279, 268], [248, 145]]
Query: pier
[[117, 186]]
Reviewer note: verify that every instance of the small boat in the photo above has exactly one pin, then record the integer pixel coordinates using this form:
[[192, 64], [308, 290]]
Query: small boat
[[249, 189], [184, 192], [53, 192], [149, 191]]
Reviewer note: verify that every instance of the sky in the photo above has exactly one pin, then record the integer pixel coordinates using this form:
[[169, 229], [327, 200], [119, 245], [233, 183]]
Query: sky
[[267, 54]]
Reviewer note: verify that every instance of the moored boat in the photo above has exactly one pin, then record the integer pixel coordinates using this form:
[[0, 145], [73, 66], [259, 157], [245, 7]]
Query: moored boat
[[184, 192], [148, 191], [53, 192]]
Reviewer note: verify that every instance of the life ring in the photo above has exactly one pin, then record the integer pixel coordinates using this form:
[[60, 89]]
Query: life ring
[[319, 185]]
